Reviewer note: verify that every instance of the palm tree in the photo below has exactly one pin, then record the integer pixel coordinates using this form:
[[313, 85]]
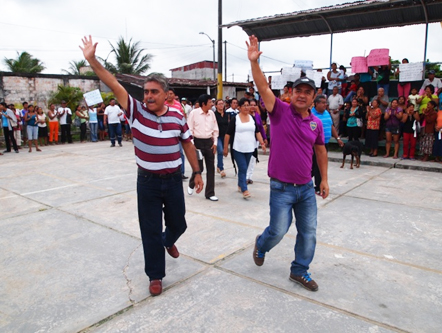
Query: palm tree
[[74, 68], [129, 58], [25, 63]]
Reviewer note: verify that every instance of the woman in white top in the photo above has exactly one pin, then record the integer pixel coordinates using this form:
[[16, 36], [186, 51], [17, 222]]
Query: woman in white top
[[42, 127], [242, 134], [93, 123]]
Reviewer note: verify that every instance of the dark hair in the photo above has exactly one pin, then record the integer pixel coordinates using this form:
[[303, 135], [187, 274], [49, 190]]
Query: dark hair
[[25, 103], [233, 99], [4, 104], [433, 103], [409, 104], [253, 100], [318, 98], [203, 99], [171, 89], [394, 99], [406, 61], [431, 88], [242, 101], [112, 99]]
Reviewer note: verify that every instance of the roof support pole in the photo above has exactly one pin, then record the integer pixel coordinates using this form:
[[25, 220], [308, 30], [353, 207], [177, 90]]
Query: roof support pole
[[426, 36], [331, 39], [331, 49]]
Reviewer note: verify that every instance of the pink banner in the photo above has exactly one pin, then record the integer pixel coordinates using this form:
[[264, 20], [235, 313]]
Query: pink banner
[[378, 57], [359, 65]]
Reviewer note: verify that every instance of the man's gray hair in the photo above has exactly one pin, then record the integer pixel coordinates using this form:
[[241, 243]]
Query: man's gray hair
[[158, 78], [318, 99]]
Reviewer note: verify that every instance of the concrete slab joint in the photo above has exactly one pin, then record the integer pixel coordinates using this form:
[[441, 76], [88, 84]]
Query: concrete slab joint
[[125, 273]]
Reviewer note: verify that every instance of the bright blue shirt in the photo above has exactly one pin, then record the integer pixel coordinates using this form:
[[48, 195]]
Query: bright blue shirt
[[327, 123], [4, 120]]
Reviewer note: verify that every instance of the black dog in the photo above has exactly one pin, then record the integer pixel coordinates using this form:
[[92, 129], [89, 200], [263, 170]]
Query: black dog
[[353, 148]]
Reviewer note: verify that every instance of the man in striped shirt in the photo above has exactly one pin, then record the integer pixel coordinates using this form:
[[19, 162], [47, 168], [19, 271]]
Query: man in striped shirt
[[157, 130]]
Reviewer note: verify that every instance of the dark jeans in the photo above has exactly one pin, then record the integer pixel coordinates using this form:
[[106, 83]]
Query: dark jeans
[[209, 157], [353, 133], [242, 160], [9, 135], [83, 131], [66, 133], [315, 171], [115, 130], [155, 196]]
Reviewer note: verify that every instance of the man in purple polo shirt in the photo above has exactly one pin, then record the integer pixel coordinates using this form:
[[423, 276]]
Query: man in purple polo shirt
[[157, 132], [295, 132]]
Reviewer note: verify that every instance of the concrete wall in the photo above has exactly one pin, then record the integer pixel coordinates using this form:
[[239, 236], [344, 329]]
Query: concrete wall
[[39, 88], [194, 74]]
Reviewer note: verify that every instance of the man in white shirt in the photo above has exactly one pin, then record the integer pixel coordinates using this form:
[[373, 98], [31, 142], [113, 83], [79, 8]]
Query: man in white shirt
[[434, 81], [335, 104], [112, 115], [187, 108], [233, 110], [65, 122], [204, 127]]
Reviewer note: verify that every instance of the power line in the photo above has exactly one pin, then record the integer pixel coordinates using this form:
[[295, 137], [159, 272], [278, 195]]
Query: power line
[[263, 56]]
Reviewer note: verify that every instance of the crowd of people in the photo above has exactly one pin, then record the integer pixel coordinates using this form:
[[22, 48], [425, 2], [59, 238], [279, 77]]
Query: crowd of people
[[415, 115]]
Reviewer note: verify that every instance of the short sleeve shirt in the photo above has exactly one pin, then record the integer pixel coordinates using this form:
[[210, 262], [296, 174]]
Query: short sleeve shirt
[[156, 138], [293, 139]]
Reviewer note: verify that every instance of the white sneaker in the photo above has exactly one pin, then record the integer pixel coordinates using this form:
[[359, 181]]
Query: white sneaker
[[189, 190], [213, 198]]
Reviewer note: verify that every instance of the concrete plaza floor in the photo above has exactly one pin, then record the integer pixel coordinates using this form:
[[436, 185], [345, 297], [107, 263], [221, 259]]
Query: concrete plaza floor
[[71, 256]]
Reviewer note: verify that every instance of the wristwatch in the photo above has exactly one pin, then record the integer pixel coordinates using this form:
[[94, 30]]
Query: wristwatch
[[338, 138], [197, 172]]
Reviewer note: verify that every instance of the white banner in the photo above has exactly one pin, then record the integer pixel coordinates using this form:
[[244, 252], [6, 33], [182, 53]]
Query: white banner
[[315, 76], [411, 72], [93, 97]]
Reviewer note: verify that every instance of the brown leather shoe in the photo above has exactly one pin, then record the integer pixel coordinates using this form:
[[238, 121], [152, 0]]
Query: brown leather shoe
[[173, 251], [259, 261], [156, 287], [305, 281]]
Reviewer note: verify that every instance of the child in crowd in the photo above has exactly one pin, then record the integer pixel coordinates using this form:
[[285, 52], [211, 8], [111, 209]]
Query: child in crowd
[[413, 98]]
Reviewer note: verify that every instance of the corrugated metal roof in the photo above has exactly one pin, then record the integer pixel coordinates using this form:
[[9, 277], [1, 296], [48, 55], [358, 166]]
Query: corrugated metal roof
[[353, 16]]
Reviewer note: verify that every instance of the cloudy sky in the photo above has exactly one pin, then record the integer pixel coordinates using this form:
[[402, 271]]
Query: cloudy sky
[[169, 30]]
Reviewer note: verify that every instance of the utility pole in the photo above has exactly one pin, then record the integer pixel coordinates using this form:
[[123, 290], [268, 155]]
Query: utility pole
[[225, 60], [220, 50], [213, 46]]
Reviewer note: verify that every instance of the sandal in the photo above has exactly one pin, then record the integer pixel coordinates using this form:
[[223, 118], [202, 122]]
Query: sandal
[[223, 174], [38, 149], [218, 170], [246, 194]]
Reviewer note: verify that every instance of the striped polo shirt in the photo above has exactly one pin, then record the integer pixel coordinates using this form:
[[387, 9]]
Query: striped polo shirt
[[156, 139]]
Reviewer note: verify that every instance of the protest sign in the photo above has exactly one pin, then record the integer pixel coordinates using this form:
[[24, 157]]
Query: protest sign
[[93, 97], [378, 57], [359, 65], [315, 76], [411, 72], [304, 64], [291, 73], [277, 82]]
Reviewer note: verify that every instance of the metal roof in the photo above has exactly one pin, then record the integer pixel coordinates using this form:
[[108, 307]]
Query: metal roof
[[354, 16]]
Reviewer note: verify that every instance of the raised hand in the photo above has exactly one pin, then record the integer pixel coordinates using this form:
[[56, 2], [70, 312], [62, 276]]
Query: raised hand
[[88, 48], [252, 49]]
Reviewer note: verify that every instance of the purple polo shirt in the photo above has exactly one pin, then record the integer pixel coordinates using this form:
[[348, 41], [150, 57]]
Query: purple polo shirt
[[292, 142]]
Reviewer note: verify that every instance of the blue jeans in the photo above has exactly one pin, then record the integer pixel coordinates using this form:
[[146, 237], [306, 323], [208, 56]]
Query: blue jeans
[[93, 127], [115, 130], [242, 160], [349, 97], [155, 196], [285, 198], [219, 152]]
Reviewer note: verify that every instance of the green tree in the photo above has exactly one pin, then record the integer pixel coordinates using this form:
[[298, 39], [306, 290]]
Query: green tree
[[432, 66], [74, 68], [25, 63], [107, 97], [129, 58], [72, 96]]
